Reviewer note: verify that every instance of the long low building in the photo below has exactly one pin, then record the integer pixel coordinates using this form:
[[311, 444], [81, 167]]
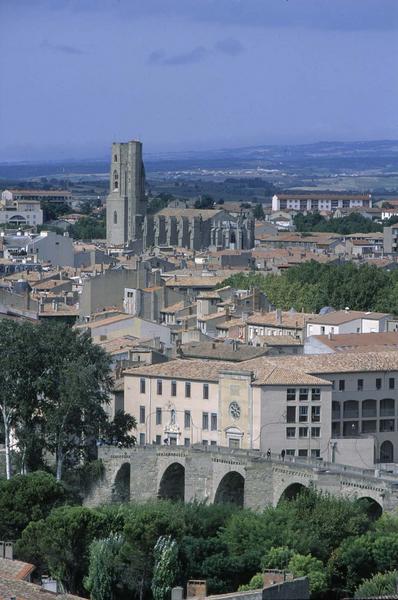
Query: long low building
[[340, 407], [321, 201]]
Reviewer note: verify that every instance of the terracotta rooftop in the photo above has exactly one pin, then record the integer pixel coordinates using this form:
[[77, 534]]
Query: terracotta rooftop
[[322, 196], [103, 322], [339, 317], [22, 590], [15, 569], [288, 319], [189, 212], [360, 342], [221, 351], [198, 281], [173, 308]]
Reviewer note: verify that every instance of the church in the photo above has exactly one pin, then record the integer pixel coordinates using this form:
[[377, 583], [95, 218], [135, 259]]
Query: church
[[196, 229]]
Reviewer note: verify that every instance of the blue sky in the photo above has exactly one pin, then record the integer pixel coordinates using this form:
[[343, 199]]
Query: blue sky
[[76, 75]]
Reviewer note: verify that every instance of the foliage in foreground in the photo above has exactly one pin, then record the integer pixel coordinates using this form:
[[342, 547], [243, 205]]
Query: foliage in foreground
[[120, 551], [381, 584]]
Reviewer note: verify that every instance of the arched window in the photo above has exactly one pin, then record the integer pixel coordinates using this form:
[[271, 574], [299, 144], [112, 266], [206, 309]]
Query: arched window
[[369, 408], [386, 452], [351, 409], [115, 180], [387, 407], [115, 158], [115, 218]]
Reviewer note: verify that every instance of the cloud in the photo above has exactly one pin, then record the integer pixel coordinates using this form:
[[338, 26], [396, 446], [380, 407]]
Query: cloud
[[229, 46], [62, 48], [159, 57]]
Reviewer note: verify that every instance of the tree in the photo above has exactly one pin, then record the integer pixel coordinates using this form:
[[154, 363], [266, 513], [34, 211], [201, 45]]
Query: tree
[[26, 498], [258, 212], [19, 365], [204, 202], [104, 568], [60, 543], [165, 568], [75, 385], [308, 566], [277, 558], [118, 430], [378, 586], [255, 583]]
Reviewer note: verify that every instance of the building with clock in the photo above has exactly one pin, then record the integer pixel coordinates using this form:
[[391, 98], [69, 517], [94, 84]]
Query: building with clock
[[341, 407]]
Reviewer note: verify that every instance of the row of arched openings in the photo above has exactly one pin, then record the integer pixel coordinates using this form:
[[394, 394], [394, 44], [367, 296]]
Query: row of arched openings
[[229, 491]]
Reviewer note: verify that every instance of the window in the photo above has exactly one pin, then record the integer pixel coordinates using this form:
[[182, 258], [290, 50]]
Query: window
[[234, 443], [187, 389], [350, 428], [333, 384], [187, 419], [205, 420], [142, 385], [290, 452], [316, 394], [213, 443], [205, 443], [115, 217], [213, 422], [158, 440], [303, 432], [335, 429], [315, 453], [291, 414], [303, 453], [368, 426], [205, 391], [369, 408], [115, 158], [303, 395], [341, 385], [315, 414], [174, 388], [378, 383], [303, 414], [315, 432], [290, 432], [360, 385], [290, 394], [142, 439], [335, 409], [391, 383], [142, 414], [159, 387], [387, 425], [351, 409], [187, 442], [387, 407], [158, 416]]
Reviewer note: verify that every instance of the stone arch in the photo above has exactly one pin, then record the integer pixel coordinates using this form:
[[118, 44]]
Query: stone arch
[[387, 407], [387, 452], [369, 408], [292, 491], [172, 483], [121, 485], [351, 409], [231, 489], [372, 507]]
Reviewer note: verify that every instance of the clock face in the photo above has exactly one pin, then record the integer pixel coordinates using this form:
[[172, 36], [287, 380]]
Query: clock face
[[234, 410]]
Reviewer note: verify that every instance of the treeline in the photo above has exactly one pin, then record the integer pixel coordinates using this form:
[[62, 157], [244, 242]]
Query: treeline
[[140, 551], [55, 385], [311, 285], [352, 223]]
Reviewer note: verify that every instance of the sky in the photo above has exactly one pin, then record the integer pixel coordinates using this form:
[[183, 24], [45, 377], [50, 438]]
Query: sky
[[76, 75]]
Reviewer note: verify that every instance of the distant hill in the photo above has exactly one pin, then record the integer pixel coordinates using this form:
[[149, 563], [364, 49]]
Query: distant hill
[[322, 157]]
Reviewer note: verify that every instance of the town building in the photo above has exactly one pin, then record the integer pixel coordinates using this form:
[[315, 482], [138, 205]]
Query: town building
[[317, 202], [277, 323], [125, 204], [49, 196], [347, 321], [19, 212], [128, 221], [342, 407], [351, 342]]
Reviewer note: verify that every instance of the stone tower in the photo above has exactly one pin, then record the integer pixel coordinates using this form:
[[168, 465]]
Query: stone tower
[[125, 204]]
